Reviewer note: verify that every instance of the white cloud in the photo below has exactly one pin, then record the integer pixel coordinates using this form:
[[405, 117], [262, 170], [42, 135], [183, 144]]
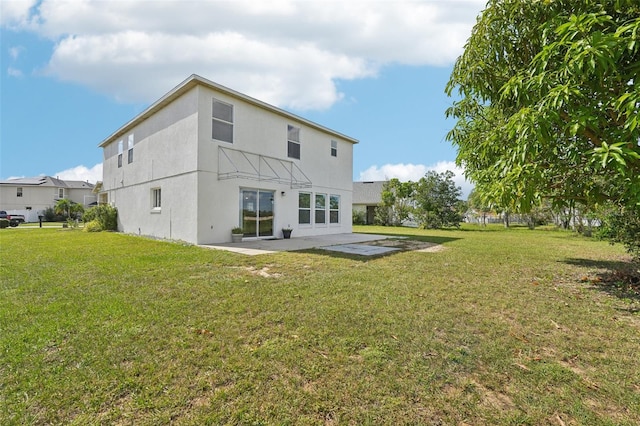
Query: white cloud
[[287, 52], [14, 72], [16, 13], [15, 51], [83, 173], [413, 172]]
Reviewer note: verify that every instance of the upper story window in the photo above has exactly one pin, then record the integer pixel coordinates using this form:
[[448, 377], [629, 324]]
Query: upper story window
[[222, 122], [19, 191], [60, 192], [293, 142], [334, 148], [120, 150], [130, 149]]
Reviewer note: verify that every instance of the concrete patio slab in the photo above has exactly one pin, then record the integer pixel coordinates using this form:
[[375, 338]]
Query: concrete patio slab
[[256, 247]]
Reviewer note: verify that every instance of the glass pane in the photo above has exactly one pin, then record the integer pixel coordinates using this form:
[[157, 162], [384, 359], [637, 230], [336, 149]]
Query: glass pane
[[320, 216], [293, 150], [320, 201], [222, 111], [249, 213], [265, 219], [222, 131], [293, 133], [333, 217], [304, 200], [334, 202], [304, 216]]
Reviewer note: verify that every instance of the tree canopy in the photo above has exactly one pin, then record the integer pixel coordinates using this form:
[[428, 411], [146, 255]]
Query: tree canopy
[[550, 101]]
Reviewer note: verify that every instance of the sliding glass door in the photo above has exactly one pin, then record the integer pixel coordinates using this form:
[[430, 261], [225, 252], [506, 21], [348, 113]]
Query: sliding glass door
[[257, 213]]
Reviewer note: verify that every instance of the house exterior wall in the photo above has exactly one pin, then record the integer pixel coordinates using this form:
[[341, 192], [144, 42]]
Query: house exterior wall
[[262, 132], [174, 150], [164, 156], [41, 193]]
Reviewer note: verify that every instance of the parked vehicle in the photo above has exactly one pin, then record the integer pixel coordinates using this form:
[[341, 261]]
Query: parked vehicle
[[14, 220]]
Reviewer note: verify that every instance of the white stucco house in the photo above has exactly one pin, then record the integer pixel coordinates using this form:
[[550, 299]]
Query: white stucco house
[[204, 159], [31, 196]]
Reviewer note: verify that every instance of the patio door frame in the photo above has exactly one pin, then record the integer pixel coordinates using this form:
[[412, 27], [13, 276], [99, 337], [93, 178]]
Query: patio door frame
[[257, 212]]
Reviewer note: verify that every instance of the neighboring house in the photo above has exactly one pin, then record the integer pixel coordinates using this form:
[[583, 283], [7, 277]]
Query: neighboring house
[[205, 159], [31, 196], [366, 197]]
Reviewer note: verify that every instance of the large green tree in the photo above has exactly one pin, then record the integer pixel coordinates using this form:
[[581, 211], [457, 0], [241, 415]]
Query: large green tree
[[397, 201], [549, 100], [437, 200]]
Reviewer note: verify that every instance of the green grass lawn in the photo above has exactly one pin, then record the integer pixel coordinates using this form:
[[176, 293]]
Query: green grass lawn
[[500, 327]]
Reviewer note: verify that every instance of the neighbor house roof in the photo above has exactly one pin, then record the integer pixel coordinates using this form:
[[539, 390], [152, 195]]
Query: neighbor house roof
[[367, 192], [47, 181], [195, 80]]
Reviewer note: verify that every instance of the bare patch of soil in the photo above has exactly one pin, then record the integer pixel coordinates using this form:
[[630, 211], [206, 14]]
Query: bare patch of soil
[[408, 245]]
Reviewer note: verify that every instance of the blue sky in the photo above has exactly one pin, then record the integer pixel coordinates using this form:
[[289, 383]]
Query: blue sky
[[72, 72]]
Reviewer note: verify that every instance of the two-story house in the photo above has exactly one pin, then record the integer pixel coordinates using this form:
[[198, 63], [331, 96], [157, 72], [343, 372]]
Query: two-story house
[[31, 196], [205, 159]]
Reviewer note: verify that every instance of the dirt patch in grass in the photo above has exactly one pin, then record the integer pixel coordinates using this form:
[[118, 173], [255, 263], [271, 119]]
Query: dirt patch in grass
[[408, 245]]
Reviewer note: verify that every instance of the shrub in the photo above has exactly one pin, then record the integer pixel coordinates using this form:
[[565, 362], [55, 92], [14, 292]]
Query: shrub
[[51, 216], [359, 217], [4, 223], [622, 225], [104, 214], [93, 226]]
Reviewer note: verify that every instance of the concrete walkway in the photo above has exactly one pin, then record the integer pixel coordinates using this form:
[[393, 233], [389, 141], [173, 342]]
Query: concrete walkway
[[345, 243]]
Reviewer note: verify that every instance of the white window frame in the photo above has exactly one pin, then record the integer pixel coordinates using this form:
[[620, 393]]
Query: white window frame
[[334, 148], [222, 120], [156, 199], [332, 210], [120, 151], [19, 191], [130, 149], [61, 193], [293, 139], [321, 209], [305, 209]]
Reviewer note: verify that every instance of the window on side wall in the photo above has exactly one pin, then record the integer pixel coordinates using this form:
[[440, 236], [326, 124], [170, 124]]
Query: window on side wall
[[304, 208], [156, 199], [334, 209], [222, 121], [334, 148], [60, 193], [19, 192], [293, 142], [321, 209], [130, 150], [120, 150]]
